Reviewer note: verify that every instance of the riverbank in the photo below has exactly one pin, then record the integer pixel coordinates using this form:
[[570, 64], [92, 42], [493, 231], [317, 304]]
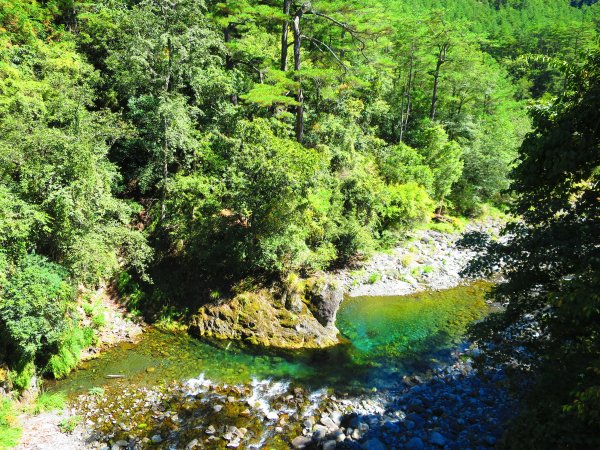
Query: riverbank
[[427, 260]]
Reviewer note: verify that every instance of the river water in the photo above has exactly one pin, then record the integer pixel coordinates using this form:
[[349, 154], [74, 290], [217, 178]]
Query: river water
[[384, 339]]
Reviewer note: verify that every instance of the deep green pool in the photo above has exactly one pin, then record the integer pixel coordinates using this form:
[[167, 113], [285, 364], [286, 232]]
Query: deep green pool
[[386, 337]]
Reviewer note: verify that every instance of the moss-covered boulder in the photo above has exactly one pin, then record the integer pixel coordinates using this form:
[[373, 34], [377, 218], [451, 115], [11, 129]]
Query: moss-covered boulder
[[278, 317]]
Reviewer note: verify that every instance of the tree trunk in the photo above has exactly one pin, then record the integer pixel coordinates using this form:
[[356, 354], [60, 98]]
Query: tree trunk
[[287, 4], [228, 59], [297, 66], [409, 87], [436, 79], [165, 162]]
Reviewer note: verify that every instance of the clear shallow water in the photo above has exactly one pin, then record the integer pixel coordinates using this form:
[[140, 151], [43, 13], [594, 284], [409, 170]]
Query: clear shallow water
[[386, 337]]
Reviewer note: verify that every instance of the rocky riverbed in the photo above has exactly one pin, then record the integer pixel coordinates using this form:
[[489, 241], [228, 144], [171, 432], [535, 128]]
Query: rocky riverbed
[[428, 260], [451, 407]]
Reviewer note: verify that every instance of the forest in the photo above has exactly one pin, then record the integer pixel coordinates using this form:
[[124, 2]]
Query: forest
[[176, 152]]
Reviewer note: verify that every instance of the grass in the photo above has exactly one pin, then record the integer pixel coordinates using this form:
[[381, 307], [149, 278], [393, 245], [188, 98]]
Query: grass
[[49, 402], [10, 433], [374, 278], [69, 424]]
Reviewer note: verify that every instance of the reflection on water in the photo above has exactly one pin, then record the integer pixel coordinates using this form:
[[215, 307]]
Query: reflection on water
[[385, 337]]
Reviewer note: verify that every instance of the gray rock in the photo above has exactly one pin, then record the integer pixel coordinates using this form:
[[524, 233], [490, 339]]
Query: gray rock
[[218, 408], [437, 439], [325, 298], [329, 445], [157, 439], [374, 444], [272, 416], [301, 442], [122, 443], [320, 431], [337, 417], [210, 430], [330, 424], [415, 444], [192, 444]]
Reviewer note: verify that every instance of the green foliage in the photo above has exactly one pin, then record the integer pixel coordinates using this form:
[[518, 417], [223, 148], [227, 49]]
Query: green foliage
[[10, 433], [33, 308], [551, 263], [405, 206], [70, 346], [49, 402], [68, 424]]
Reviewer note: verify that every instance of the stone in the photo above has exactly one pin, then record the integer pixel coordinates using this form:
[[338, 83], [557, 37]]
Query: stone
[[374, 444], [272, 415], [329, 445], [210, 430], [301, 442], [192, 444], [337, 417], [320, 431], [218, 408], [156, 439], [330, 424], [437, 439], [122, 443], [325, 298], [415, 444], [234, 444], [356, 434]]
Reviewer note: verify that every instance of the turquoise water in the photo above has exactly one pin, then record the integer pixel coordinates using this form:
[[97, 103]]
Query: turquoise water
[[384, 338]]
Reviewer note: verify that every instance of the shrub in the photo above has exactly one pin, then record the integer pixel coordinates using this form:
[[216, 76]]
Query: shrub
[[405, 205], [9, 432]]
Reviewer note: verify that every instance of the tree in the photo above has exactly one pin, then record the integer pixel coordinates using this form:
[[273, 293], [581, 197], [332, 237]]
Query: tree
[[166, 51], [549, 332]]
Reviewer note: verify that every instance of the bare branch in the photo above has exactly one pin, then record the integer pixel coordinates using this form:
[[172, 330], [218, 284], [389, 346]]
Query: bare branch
[[329, 49]]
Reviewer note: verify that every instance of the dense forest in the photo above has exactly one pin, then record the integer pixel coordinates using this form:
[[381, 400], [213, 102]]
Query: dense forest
[[179, 149]]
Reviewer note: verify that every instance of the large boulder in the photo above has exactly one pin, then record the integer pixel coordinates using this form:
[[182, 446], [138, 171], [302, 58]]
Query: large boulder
[[325, 296], [262, 318]]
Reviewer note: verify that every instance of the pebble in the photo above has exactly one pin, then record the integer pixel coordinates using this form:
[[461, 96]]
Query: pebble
[[157, 439], [301, 442]]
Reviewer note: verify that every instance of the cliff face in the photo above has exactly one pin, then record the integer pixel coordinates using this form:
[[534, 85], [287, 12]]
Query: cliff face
[[301, 314]]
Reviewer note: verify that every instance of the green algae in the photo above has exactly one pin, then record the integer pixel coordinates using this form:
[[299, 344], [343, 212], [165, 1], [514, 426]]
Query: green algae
[[412, 325], [385, 338]]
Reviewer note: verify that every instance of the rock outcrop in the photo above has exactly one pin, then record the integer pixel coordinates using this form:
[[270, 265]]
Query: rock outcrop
[[281, 318]]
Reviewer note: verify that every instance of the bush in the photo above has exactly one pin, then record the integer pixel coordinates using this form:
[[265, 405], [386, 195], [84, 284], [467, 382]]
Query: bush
[[34, 311], [405, 206], [9, 432]]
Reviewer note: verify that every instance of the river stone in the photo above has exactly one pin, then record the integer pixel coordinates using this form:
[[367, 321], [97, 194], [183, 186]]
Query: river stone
[[415, 444], [157, 439], [437, 439], [337, 417], [218, 408], [121, 443], [301, 442], [210, 430], [192, 444], [329, 445], [319, 431], [330, 424], [374, 444]]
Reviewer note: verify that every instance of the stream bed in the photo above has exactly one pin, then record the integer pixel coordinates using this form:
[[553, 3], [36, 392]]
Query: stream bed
[[173, 391]]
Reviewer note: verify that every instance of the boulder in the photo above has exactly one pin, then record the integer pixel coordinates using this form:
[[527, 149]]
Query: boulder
[[261, 318], [374, 444], [325, 296]]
